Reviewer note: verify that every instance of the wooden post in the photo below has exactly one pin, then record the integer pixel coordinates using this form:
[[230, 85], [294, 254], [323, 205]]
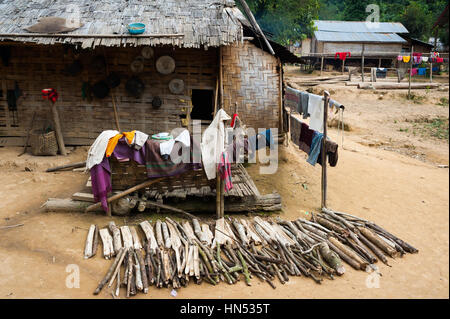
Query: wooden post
[[379, 63], [362, 62], [431, 72], [343, 66], [321, 66], [59, 136], [116, 115], [222, 198], [326, 96], [280, 92], [410, 71], [218, 196]]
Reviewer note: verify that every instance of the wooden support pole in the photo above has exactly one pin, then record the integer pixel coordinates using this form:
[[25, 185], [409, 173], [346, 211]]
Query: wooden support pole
[[343, 66], [362, 62], [218, 196], [321, 66], [324, 157], [431, 72], [410, 71], [379, 63], [280, 98], [116, 115], [59, 136]]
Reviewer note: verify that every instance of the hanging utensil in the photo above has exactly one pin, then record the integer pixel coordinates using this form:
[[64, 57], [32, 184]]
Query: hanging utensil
[[165, 65], [176, 86]]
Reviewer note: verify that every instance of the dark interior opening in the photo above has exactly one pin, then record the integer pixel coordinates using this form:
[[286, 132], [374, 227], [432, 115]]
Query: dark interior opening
[[202, 105]]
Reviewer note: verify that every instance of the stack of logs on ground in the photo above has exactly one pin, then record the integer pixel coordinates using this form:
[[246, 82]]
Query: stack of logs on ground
[[176, 253]]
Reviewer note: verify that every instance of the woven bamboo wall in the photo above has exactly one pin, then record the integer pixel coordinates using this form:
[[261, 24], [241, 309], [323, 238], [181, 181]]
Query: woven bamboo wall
[[251, 78], [37, 67]]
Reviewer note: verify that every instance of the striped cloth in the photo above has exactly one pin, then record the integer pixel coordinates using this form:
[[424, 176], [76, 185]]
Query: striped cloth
[[224, 168]]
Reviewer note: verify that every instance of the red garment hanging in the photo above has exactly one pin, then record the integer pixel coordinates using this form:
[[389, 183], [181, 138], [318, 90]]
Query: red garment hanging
[[342, 55], [50, 94], [234, 119]]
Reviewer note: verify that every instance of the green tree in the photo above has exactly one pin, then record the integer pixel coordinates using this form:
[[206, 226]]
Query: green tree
[[417, 19], [287, 20]]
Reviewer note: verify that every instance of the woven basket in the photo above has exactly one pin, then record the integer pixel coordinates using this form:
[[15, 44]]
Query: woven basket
[[43, 143]]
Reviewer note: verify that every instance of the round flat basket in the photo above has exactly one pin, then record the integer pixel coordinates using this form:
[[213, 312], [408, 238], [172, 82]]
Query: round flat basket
[[165, 65], [176, 86], [147, 52], [137, 66], [43, 143]]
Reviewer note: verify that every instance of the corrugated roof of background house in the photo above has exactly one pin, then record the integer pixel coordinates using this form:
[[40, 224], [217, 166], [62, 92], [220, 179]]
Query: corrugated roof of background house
[[327, 36], [360, 26]]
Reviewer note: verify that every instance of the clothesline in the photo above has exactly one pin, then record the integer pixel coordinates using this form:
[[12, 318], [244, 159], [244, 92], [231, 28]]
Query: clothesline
[[354, 54]]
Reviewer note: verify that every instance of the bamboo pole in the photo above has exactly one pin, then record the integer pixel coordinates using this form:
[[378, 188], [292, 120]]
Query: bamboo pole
[[324, 157], [431, 72], [410, 71]]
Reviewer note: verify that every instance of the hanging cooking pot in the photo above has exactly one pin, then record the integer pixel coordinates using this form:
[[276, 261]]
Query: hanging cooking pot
[[165, 65], [156, 102], [98, 63], [73, 69], [147, 52], [176, 86], [134, 86], [113, 80], [137, 66], [100, 89]]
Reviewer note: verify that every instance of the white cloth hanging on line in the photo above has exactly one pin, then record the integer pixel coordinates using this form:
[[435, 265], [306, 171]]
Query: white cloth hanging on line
[[315, 109], [98, 148], [213, 143]]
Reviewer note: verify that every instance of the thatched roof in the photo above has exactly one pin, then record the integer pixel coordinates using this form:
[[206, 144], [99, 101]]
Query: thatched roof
[[190, 23]]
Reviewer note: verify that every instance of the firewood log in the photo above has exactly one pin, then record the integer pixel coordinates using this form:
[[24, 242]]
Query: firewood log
[[378, 242], [136, 241], [107, 276], [140, 261], [127, 237], [108, 249], [89, 242], [331, 258], [350, 253], [117, 241], [166, 236], [149, 234], [159, 236]]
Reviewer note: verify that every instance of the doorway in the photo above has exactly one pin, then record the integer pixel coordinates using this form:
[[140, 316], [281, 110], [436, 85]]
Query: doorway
[[202, 105]]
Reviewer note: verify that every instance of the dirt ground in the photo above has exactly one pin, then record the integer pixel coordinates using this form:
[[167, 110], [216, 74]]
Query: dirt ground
[[385, 173]]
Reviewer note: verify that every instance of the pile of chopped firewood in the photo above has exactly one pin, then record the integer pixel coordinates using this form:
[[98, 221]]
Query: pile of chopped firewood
[[175, 253]]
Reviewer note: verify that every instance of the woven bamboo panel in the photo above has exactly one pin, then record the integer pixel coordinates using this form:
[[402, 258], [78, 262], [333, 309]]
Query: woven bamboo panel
[[37, 67], [251, 78]]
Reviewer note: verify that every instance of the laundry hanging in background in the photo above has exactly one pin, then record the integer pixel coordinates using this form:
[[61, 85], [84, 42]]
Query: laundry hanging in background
[[112, 143], [406, 58], [381, 73], [292, 99], [295, 129], [425, 59], [342, 55], [399, 57], [306, 136], [413, 71], [421, 71], [331, 150]]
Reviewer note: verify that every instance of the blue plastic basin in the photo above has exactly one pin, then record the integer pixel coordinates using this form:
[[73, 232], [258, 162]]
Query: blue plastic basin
[[136, 28]]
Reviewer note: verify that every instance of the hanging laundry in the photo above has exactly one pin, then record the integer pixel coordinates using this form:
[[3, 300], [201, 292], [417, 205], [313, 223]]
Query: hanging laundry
[[342, 55], [224, 168], [260, 140], [381, 73], [306, 136], [413, 71], [139, 139], [113, 141], [425, 59], [331, 149], [97, 150], [439, 60], [435, 54], [406, 58], [421, 71], [292, 99], [213, 143], [316, 146], [417, 59], [333, 104], [184, 138], [296, 128], [399, 58], [233, 120], [315, 109], [304, 100]]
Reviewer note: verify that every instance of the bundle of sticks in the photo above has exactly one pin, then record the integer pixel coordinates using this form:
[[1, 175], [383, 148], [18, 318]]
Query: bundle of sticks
[[175, 253]]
